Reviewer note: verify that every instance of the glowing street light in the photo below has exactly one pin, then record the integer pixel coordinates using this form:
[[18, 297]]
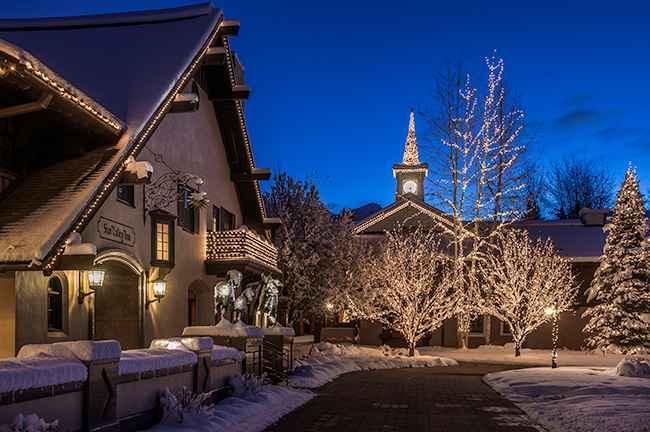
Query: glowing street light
[[553, 311]]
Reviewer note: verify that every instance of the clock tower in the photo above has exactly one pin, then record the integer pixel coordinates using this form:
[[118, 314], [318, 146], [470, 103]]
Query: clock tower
[[410, 174]]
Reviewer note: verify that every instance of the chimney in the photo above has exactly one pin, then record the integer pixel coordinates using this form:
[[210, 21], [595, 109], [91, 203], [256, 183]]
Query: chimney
[[593, 217]]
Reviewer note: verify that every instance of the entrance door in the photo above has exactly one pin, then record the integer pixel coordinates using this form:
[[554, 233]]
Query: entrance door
[[116, 306]]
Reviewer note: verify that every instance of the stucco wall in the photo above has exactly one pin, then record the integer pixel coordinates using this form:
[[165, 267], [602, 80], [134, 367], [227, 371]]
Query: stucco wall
[[31, 309], [7, 315], [189, 143]]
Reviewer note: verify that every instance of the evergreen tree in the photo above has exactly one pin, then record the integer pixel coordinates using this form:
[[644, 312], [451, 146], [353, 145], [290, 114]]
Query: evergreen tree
[[621, 285]]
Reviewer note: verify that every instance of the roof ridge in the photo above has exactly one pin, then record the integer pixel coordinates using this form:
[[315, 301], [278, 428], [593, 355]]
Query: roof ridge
[[107, 20]]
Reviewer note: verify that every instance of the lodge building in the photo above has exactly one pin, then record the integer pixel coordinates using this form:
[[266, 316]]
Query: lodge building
[[580, 241], [124, 153]]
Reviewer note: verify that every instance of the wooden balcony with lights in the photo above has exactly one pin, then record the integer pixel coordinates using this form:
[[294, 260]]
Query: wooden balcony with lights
[[242, 250]]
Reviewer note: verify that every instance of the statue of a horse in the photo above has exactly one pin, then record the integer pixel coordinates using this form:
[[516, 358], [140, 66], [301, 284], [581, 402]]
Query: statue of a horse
[[269, 304], [241, 304], [224, 293]]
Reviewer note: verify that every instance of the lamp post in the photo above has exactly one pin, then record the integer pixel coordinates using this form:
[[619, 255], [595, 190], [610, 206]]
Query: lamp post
[[327, 314], [553, 310]]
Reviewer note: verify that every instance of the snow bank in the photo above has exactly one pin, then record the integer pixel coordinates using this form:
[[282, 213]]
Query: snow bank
[[633, 368], [589, 399], [533, 357], [224, 328], [327, 361], [278, 330], [39, 370], [253, 414], [147, 360], [183, 343]]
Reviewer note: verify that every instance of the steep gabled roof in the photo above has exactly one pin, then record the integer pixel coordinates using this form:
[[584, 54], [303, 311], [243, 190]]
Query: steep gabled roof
[[130, 66], [408, 209]]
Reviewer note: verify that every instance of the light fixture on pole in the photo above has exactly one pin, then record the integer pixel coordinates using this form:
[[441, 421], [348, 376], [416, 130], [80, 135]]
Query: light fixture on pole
[[95, 280], [159, 287], [553, 311]]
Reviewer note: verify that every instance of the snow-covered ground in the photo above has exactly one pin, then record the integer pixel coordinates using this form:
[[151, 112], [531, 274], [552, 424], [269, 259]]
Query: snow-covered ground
[[250, 414], [327, 361], [584, 399], [532, 357]]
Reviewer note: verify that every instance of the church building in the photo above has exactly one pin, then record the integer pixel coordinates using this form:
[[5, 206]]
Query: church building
[[579, 241]]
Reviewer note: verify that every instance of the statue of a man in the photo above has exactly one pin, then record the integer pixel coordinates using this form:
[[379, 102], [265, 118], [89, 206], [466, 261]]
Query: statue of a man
[[224, 293]]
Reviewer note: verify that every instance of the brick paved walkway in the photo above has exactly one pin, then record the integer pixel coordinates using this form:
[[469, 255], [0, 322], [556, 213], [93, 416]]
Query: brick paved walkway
[[419, 399]]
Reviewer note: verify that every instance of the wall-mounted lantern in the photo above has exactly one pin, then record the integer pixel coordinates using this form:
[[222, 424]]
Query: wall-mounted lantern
[[159, 287], [95, 280]]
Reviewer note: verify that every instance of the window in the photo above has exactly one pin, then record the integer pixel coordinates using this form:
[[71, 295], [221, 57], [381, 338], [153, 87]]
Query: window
[[476, 326], [162, 238], [227, 220], [126, 194], [505, 328], [188, 217], [213, 222], [55, 295]]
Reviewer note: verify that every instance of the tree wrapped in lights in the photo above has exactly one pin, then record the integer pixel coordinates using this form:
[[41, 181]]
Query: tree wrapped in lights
[[315, 247], [405, 282], [620, 321], [523, 278], [477, 146]]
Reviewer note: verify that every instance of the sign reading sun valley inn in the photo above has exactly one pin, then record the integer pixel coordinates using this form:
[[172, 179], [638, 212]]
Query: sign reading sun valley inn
[[115, 231]]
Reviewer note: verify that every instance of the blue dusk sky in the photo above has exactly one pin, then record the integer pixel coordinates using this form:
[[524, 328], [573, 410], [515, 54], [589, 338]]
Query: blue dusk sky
[[333, 82]]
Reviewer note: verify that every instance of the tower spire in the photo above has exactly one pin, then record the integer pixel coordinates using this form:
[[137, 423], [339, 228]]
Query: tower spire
[[411, 148]]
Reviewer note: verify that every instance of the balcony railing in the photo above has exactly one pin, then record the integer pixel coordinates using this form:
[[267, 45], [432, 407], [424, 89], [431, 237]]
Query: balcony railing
[[240, 247]]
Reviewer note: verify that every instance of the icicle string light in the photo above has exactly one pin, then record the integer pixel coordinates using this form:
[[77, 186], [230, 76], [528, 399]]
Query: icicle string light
[[63, 92], [400, 207]]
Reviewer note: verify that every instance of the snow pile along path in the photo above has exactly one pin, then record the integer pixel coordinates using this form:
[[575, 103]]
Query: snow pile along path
[[533, 357], [585, 399], [252, 414], [327, 361]]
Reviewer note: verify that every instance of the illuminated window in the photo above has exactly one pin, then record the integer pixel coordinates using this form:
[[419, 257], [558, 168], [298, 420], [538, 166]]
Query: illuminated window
[[162, 238]]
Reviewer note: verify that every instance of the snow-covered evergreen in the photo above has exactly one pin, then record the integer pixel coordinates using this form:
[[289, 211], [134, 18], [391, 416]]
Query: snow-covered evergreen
[[523, 279], [620, 322]]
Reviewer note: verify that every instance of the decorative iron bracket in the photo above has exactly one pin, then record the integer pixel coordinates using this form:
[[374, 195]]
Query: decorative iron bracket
[[170, 188]]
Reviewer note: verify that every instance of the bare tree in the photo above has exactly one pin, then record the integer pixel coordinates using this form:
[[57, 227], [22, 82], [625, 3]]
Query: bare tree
[[406, 283], [522, 279], [574, 183], [477, 147]]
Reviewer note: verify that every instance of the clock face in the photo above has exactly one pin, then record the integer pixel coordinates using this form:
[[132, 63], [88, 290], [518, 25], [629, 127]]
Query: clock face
[[410, 186]]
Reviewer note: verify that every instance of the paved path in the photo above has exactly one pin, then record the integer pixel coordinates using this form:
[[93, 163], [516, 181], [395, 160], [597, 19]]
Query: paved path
[[419, 399]]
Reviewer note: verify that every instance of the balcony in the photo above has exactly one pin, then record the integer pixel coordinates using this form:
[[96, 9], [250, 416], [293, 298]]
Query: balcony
[[242, 250]]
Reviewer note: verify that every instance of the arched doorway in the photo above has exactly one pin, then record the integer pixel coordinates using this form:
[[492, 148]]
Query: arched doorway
[[118, 311]]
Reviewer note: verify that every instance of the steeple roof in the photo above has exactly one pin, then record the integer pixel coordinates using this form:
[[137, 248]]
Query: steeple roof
[[411, 148]]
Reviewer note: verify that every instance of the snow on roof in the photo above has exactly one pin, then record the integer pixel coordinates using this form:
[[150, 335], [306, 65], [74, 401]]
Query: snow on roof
[[571, 238], [129, 64]]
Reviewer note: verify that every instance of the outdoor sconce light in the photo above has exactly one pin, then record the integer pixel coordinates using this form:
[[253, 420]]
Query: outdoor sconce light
[[95, 280], [159, 287]]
